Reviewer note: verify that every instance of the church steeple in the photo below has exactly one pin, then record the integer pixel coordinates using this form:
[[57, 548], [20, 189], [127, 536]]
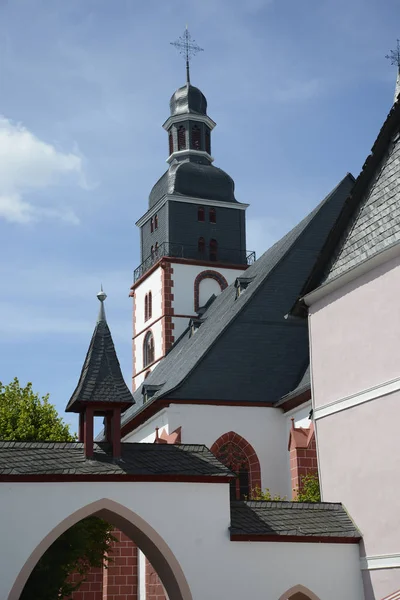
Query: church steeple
[[101, 389]]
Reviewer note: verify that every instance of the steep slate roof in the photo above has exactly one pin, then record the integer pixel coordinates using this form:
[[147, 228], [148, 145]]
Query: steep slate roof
[[259, 518], [370, 219], [68, 458], [246, 350], [101, 378]]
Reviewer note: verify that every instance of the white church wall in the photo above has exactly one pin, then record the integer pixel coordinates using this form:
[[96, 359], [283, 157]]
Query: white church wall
[[264, 428], [180, 324], [153, 284], [207, 288], [147, 431], [157, 331], [193, 520], [183, 289]]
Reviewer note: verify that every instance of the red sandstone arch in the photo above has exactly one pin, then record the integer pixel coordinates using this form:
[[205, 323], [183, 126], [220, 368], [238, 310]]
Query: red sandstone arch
[[299, 592], [209, 274], [138, 530], [237, 440]]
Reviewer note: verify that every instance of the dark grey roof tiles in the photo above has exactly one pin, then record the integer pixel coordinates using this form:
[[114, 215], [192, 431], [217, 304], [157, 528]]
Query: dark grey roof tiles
[[291, 519], [303, 386], [188, 99], [68, 458], [376, 224], [101, 378], [196, 180], [246, 350]]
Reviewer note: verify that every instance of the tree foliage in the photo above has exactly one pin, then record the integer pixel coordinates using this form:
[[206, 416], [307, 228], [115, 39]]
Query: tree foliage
[[258, 494], [24, 416], [309, 490]]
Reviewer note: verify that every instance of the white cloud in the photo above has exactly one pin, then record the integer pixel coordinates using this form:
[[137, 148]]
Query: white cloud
[[29, 164]]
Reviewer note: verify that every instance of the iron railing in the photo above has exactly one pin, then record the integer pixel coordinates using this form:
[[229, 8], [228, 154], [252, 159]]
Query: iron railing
[[192, 252]]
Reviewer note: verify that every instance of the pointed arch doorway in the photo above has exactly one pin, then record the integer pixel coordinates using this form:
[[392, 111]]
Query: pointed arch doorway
[[138, 530], [299, 592]]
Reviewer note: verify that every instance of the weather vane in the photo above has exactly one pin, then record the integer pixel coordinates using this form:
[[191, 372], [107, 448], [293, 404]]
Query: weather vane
[[394, 56], [188, 48]]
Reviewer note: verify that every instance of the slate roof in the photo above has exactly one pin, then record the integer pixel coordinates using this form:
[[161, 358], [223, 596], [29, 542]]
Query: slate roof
[[259, 518], [68, 458], [101, 378], [370, 218], [303, 386], [196, 180], [246, 350], [188, 99]]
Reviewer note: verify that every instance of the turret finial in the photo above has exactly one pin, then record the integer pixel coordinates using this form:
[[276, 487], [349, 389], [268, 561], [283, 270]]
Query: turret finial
[[187, 47], [101, 296], [394, 58]]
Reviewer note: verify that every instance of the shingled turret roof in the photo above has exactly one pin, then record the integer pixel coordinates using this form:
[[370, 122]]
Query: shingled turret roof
[[101, 378]]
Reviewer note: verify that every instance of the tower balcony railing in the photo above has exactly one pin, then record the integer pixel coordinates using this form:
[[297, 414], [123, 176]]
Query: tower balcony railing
[[170, 249]]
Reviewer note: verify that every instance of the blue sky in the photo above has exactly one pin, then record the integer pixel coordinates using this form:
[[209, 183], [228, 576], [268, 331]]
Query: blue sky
[[299, 91]]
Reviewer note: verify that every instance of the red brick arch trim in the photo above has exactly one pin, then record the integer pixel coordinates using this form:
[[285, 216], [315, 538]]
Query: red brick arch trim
[[209, 274], [247, 449]]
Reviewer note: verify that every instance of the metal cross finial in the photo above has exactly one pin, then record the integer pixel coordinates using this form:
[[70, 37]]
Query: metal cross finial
[[187, 47], [394, 55]]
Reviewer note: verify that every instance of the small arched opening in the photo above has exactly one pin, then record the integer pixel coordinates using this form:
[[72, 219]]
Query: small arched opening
[[299, 592], [240, 457], [148, 349], [135, 528]]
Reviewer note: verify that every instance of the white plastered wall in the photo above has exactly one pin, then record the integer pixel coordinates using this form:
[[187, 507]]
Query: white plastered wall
[[157, 331], [193, 520], [147, 431]]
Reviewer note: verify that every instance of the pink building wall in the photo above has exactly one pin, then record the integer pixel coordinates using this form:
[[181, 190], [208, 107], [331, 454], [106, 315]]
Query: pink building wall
[[355, 339]]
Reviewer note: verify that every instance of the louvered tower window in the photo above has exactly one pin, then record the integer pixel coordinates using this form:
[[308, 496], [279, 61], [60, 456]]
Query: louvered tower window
[[208, 141], [196, 138], [213, 250], [213, 215], [181, 138], [148, 349], [150, 305], [201, 245], [200, 214], [171, 142]]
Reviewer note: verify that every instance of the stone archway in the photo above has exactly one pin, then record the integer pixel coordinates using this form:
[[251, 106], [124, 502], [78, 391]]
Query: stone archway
[[299, 592], [147, 539]]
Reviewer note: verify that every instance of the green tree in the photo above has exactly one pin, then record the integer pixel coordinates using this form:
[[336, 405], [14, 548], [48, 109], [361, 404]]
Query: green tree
[[24, 416], [309, 490]]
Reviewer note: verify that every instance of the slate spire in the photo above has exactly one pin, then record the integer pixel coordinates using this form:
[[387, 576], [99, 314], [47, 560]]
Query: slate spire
[[101, 389]]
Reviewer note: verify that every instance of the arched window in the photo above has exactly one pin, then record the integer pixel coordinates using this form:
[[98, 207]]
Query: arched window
[[148, 349], [181, 138], [201, 245], [200, 214], [155, 221], [208, 141], [196, 138], [213, 250], [213, 215], [146, 307], [156, 250], [171, 142], [152, 250], [237, 454], [150, 305], [233, 457], [151, 225]]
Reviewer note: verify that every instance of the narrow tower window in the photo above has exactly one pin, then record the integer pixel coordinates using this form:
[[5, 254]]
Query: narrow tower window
[[213, 250], [171, 142], [208, 141], [146, 307], [152, 250], [200, 214], [151, 225], [150, 305], [201, 245], [148, 349], [155, 221], [181, 138], [156, 249], [213, 215], [196, 138]]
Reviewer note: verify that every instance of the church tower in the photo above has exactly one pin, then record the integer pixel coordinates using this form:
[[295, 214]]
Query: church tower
[[192, 236]]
